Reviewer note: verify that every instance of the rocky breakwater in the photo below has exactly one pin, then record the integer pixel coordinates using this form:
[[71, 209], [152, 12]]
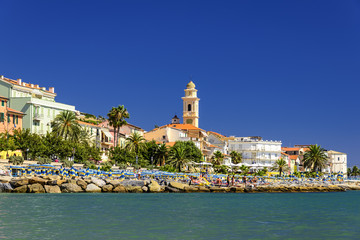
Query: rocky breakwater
[[57, 184]]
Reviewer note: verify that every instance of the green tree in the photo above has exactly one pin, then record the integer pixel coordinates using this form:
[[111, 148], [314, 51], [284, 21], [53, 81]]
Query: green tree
[[236, 157], [180, 156], [315, 158], [66, 125], [244, 169], [122, 156], [161, 154], [22, 139], [135, 143], [355, 171], [217, 158], [117, 116], [280, 166]]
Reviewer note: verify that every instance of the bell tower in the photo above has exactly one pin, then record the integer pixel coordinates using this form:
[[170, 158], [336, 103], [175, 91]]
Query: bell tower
[[191, 105]]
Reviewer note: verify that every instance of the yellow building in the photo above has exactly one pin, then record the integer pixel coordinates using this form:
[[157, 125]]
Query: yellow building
[[191, 105]]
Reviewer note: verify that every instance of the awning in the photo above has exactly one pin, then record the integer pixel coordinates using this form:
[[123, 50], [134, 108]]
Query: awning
[[106, 132]]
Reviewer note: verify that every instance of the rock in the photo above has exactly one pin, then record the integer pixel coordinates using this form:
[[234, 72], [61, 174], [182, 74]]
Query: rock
[[177, 185], [171, 189], [60, 182], [144, 188], [236, 189], [34, 180], [19, 182], [138, 183], [119, 189], [98, 182], [154, 186], [134, 189], [217, 189], [115, 183], [52, 189], [54, 177], [191, 189], [203, 189], [107, 188], [88, 180], [73, 181], [70, 188], [5, 179], [21, 189], [36, 188], [92, 188], [6, 187], [81, 183]]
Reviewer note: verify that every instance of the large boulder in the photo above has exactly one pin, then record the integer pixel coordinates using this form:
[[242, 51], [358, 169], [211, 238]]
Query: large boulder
[[218, 189], [34, 180], [115, 183], [134, 183], [154, 186], [134, 189], [119, 189], [171, 189], [21, 189], [54, 177], [5, 179], [36, 188], [70, 188], [178, 185], [5, 187], [92, 188], [107, 188], [191, 189], [52, 189], [19, 182], [81, 183], [73, 181], [98, 182]]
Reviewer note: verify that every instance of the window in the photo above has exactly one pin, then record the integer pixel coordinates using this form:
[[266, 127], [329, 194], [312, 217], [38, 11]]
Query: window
[[189, 107], [164, 137], [2, 116], [3, 103], [17, 119], [8, 118]]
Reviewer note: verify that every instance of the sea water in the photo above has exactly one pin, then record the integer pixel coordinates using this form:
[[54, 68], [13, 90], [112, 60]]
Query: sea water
[[181, 216]]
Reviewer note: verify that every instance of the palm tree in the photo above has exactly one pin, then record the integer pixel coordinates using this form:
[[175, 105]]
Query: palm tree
[[355, 171], [315, 158], [244, 169], [179, 156], [22, 139], [135, 142], [162, 153], [280, 166], [117, 116], [66, 126], [217, 158], [236, 157]]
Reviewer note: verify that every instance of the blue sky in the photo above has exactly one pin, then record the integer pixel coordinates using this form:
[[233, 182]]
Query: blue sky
[[283, 70]]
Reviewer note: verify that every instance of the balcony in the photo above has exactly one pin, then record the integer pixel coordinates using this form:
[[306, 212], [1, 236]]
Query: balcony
[[38, 116]]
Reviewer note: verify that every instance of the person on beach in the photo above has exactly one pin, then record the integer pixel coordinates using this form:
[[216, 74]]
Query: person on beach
[[228, 180], [232, 180], [244, 180]]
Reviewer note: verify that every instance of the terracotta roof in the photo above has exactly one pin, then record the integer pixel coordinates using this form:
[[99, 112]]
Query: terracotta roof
[[290, 149], [217, 134], [213, 146], [14, 111], [170, 144], [294, 157], [25, 84], [183, 126], [86, 123], [285, 154]]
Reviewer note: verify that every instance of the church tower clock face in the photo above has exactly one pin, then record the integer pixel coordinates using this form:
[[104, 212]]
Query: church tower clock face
[[191, 105]]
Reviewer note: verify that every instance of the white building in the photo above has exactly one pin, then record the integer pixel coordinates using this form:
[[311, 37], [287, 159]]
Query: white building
[[337, 162], [256, 152]]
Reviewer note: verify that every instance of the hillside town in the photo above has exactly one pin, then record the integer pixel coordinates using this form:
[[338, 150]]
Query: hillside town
[[30, 106]]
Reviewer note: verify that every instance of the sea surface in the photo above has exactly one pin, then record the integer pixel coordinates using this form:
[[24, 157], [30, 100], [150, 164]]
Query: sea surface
[[181, 216]]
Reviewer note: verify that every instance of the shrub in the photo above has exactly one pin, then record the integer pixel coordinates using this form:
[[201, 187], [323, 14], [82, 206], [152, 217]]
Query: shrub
[[67, 163], [44, 161], [16, 160], [167, 168]]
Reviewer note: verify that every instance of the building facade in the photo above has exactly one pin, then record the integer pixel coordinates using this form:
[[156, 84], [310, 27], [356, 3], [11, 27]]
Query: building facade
[[337, 162], [10, 119], [255, 151], [37, 103], [191, 105]]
